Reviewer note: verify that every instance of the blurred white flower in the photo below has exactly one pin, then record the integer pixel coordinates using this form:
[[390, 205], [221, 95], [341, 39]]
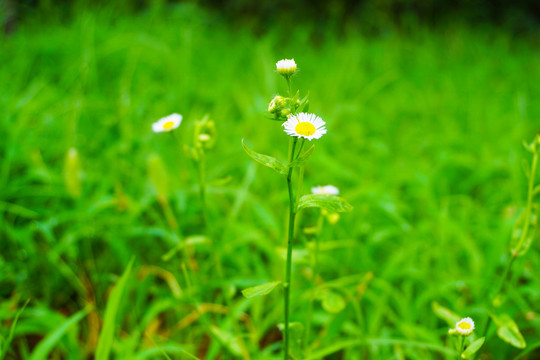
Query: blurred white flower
[[307, 126], [465, 326], [167, 123], [286, 67], [326, 190]]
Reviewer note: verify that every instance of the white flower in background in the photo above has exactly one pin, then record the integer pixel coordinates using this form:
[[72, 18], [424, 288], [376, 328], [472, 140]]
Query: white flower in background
[[326, 190], [167, 123], [286, 67], [307, 126], [464, 326]]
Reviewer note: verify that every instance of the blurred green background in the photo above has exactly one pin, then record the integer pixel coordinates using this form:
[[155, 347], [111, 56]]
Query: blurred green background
[[426, 104]]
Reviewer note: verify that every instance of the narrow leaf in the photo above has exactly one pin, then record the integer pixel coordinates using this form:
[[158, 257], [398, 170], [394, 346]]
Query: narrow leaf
[[445, 314], [509, 331], [6, 344], [331, 203], [106, 338], [266, 160], [473, 348], [301, 160], [260, 290], [42, 350]]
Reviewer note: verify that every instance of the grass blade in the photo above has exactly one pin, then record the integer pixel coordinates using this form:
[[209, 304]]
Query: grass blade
[[42, 350], [107, 334], [12, 331]]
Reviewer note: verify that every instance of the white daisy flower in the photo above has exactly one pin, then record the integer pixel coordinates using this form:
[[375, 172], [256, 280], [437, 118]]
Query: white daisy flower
[[167, 123], [465, 326], [307, 126], [326, 190], [286, 67]]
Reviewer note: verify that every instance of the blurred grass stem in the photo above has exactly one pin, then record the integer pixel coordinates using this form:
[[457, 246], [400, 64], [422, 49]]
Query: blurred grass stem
[[525, 232], [320, 223]]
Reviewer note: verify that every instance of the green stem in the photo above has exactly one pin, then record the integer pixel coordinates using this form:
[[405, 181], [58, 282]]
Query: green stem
[[499, 288], [289, 85], [515, 253], [461, 346], [202, 185], [530, 195], [292, 216]]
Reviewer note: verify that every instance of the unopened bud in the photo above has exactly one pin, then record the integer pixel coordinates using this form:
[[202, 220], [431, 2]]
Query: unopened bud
[[286, 67]]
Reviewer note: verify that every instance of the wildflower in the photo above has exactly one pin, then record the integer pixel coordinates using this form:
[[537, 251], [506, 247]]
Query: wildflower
[[326, 190], [463, 327], [167, 123], [286, 67], [307, 126]]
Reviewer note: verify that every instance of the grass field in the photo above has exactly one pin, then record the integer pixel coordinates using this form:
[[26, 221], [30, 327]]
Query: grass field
[[425, 131]]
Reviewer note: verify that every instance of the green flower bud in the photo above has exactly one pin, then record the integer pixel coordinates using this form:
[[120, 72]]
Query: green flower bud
[[205, 133]]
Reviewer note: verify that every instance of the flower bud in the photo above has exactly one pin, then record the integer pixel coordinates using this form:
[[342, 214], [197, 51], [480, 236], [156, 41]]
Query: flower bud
[[277, 103], [286, 67], [205, 133]]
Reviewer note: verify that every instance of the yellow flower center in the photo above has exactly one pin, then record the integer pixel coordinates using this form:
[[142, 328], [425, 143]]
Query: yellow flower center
[[305, 128], [168, 125], [464, 326]]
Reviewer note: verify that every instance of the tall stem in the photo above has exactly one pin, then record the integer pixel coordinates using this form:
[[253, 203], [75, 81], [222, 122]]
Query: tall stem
[[524, 233], [461, 345], [290, 238], [202, 185]]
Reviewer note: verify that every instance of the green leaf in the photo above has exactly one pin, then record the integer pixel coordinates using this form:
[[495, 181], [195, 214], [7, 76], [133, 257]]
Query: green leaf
[[447, 315], [109, 323], [517, 246], [42, 350], [6, 344], [536, 190], [333, 302], [304, 104], [266, 160], [473, 348], [231, 342], [301, 160], [260, 290], [331, 203], [509, 331]]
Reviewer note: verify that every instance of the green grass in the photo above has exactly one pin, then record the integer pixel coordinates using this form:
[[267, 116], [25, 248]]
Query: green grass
[[424, 140]]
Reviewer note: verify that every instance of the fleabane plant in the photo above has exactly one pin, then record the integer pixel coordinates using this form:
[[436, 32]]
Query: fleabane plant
[[302, 127]]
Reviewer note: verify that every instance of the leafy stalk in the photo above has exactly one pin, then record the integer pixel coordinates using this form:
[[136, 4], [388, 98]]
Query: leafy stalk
[[518, 248]]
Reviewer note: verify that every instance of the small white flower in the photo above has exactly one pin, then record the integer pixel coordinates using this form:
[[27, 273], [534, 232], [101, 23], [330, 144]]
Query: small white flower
[[326, 190], [465, 326], [286, 67], [307, 126], [167, 123]]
